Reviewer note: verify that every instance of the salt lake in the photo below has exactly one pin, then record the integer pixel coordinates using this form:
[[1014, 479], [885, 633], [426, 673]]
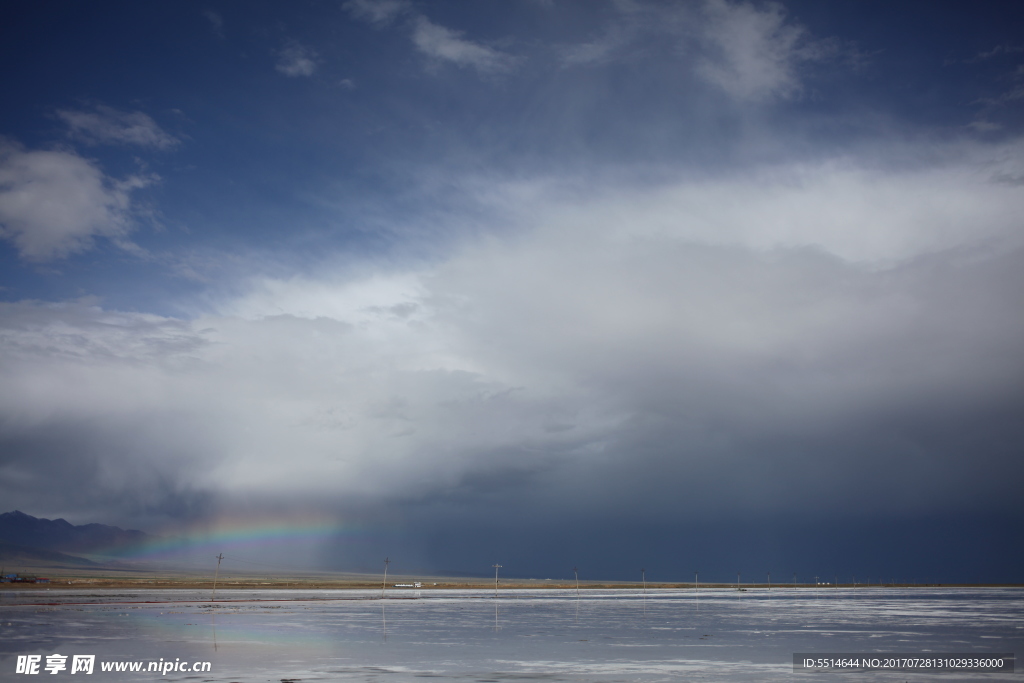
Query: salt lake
[[541, 635]]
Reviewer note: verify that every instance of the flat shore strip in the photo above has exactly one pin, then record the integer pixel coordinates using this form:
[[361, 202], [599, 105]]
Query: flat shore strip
[[64, 582]]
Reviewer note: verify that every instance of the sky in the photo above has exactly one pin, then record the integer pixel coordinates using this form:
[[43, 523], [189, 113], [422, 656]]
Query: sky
[[706, 286]]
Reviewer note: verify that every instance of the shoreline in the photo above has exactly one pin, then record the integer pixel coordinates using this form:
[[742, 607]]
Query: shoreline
[[439, 583]]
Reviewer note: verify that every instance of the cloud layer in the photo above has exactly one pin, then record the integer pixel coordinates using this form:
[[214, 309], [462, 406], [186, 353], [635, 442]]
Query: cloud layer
[[652, 344]]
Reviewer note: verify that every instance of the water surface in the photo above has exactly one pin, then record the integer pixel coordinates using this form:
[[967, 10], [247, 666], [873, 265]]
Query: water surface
[[542, 635]]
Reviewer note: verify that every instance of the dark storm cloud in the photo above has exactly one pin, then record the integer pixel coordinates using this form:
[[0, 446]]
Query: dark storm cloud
[[112, 471]]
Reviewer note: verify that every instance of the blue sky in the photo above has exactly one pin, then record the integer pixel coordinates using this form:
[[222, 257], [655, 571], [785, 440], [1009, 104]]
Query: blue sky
[[453, 270]]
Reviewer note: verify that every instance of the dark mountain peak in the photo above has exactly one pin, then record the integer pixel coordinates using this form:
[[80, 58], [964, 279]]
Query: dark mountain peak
[[62, 536]]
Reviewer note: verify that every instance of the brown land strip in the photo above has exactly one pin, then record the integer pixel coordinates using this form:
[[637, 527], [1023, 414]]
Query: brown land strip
[[70, 581]]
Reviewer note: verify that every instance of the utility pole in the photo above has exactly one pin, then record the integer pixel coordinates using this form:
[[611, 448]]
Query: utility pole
[[384, 585], [577, 573], [769, 580], [220, 557], [737, 580], [695, 582], [643, 575], [496, 568]]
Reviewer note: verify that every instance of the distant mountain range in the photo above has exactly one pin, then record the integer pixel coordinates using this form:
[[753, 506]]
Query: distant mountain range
[[26, 537]]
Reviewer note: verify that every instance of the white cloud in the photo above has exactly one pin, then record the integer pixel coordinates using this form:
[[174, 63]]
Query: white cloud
[[296, 60], [984, 126], [53, 203], [803, 301], [108, 125], [444, 44], [997, 51], [216, 21], [437, 42], [754, 53], [751, 51], [856, 214], [599, 50], [631, 28], [380, 12]]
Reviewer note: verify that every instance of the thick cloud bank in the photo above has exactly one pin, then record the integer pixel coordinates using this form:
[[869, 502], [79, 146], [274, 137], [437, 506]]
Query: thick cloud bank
[[833, 341]]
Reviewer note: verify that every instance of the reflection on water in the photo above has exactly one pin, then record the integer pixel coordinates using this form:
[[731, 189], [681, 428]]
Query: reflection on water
[[213, 624], [598, 635]]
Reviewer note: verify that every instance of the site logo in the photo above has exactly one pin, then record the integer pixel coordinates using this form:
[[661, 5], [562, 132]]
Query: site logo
[[84, 664]]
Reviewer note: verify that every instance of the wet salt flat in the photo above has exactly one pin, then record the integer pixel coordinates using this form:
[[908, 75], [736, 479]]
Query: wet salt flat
[[604, 635]]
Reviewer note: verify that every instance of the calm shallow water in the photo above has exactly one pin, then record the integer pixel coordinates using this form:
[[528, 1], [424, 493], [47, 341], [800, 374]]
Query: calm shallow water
[[549, 635]]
